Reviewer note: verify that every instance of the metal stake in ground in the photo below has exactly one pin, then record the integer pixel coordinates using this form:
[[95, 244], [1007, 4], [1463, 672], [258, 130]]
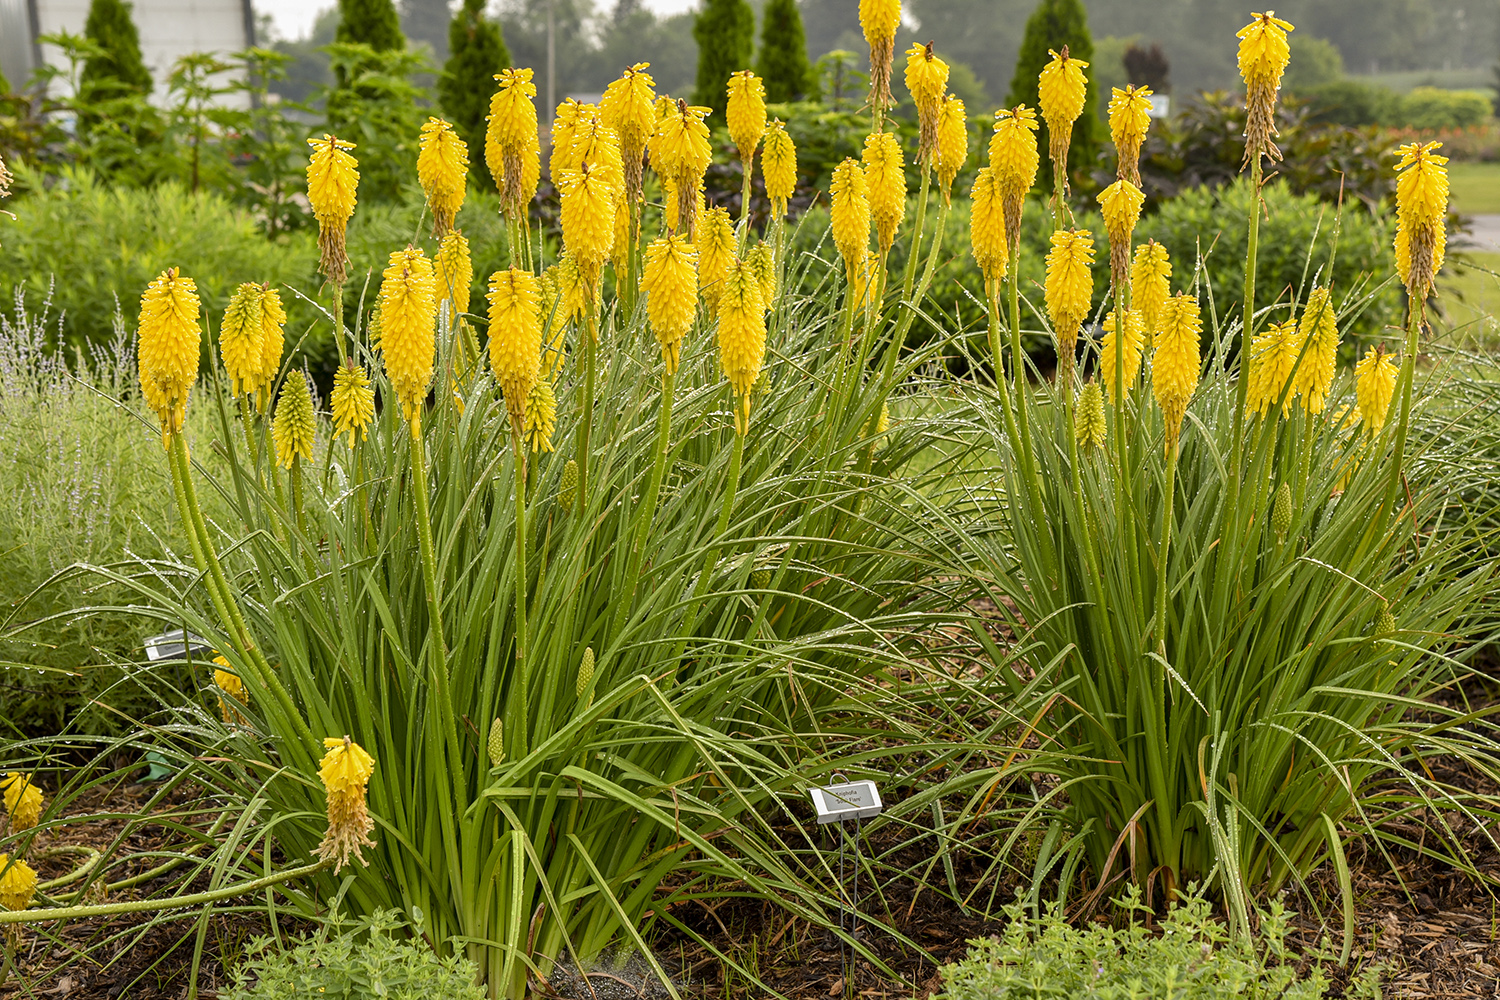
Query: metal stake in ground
[[847, 802]]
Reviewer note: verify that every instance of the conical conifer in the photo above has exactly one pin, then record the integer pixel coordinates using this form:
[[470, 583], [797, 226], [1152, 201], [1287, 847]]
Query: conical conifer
[[477, 52]]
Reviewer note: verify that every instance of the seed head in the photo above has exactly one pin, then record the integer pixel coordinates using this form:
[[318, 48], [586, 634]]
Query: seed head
[[779, 165], [850, 211], [1088, 418], [1150, 285], [1129, 118], [1014, 159], [879, 19], [408, 314], [1131, 347], [454, 271], [926, 78], [742, 336], [585, 672], [1374, 385], [541, 416], [669, 278], [1319, 330], [952, 142], [1264, 55], [987, 237], [1121, 204], [353, 402], [345, 770], [1385, 622], [332, 180], [168, 341], [746, 113], [495, 745], [885, 176], [1176, 363], [23, 801], [515, 336], [443, 169], [1273, 354], [294, 425]]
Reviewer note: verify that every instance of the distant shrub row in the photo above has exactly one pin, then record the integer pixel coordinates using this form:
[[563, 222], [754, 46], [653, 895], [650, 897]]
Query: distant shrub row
[[1354, 102]]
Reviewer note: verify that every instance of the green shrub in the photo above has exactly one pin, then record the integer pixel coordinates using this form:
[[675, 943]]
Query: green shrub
[[362, 963], [1192, 957], [1435, 108], [92, 247], [1351, 102]]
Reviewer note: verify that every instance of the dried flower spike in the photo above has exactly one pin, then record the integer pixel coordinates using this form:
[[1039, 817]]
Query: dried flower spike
[[345, 770], [1264, 54]]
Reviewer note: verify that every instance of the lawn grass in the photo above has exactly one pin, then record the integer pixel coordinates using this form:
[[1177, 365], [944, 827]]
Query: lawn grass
[[1475, 187], [1470, 295]]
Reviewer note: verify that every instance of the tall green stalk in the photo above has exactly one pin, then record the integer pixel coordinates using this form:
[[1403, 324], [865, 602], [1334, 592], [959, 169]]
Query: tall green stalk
[[590, 338], [646, 512], [521, 732]]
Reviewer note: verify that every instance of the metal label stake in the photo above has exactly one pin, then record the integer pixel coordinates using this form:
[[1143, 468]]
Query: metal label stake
[[847, 802]]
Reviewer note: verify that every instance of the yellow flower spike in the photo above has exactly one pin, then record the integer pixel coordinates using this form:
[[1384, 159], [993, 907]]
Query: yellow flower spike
[[168, 339], [1374, 386], [669, 278], [1121, 205], [716, 247], [229, 684], [1273, 353], [1133, 347], [1319, 330], [588, 220], [1069, 292], [272, 343], [742, 336], [559, 306], [1014, 159], [1421, 211], [1264, 54], [926, 79], [294, 425], [746, 113], [778, 164], [454, 272], [515, 336], [1061, 91], [619, 254], [762, 260], [443, 169], [596, 145], [629, 108], [987, 238], [681, 154], [541, 417], [850, 211], [332, 183], [353, 402], [240, 336], [1088, 418], [408, 315], [1176, 363], [23, 801], [879, 20], [17, 885], [564, 130], [1129, 118], [885, 176], [1150, 285], [345, 771], [511, 148], [952, 143]]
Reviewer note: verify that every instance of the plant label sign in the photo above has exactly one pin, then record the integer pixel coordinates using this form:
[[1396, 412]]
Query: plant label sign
[[850, 800]]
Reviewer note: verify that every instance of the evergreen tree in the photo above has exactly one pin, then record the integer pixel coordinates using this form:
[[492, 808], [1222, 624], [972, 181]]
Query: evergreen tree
[[370, 22], [119, 71], [725, 31], [468, 78], [1052, 25], [427, 21], [783, 53]]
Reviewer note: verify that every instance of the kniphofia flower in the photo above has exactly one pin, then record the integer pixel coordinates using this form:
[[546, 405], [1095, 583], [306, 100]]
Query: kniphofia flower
[[742, 336], [168, 342], [294, 424], [716, 249], [564, 127], [453, 270], [1421, 210], [17, 884], [443, 169], [746, 114], [762, 260], [629, 108], [987, 238], [670, 281], [1131, 349], [1374, 386], [1273, 354], [1175, 365], [240, 335], [1069, 291], [1264, 54], [515, 337], [345, 771], [927, 79], [23, 800], [885, 176], [511, 147], [879, 20], [1061, 91], [332, 181], [1121, 205], [1014, 159], [231, 688], [1150, 285], [1319, 330], [778, 164], [408, 315], [680, 152], [850, 211], [588, 219], [1129, 118], [952, 142], [353, 402], [541, 417]]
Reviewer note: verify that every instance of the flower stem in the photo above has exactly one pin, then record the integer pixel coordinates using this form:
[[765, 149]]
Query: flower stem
[[646, 512], [589, 336], [520, 732], [1408, 376]]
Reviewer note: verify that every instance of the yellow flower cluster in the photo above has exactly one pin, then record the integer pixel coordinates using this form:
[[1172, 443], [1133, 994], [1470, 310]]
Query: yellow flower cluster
[[1014, 159], [1129, 118], [1069, 291], [1175, 367], [453, 271], [515, 337], [1421, 211], [952, 142], [1264, 54], [589, 195], [742, 336], [511, 147], [1273, 353], [629, 108], [779, 166], [926, 79], [987, 239], [332, 182], [1374, 386], [345, 771], [1089, 426], [251, 340], [670, 281], [1121, 205], [443, 169], [885, 178], [850, 211], [168, 339], [17, 883], [408, 314], [746, 114], [1150, 285], [230, 685], [541, 417], [23, 801], [716, 247], [1062, 89], [1130, 347], [353, 402], [680, 153], [1319, 331], [879, 19]]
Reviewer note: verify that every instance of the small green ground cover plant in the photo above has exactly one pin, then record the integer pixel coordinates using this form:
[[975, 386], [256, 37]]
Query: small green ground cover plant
[[1189, 955]]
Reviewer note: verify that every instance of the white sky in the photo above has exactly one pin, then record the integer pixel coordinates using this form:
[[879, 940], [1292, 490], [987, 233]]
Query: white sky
[[294, 18]]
